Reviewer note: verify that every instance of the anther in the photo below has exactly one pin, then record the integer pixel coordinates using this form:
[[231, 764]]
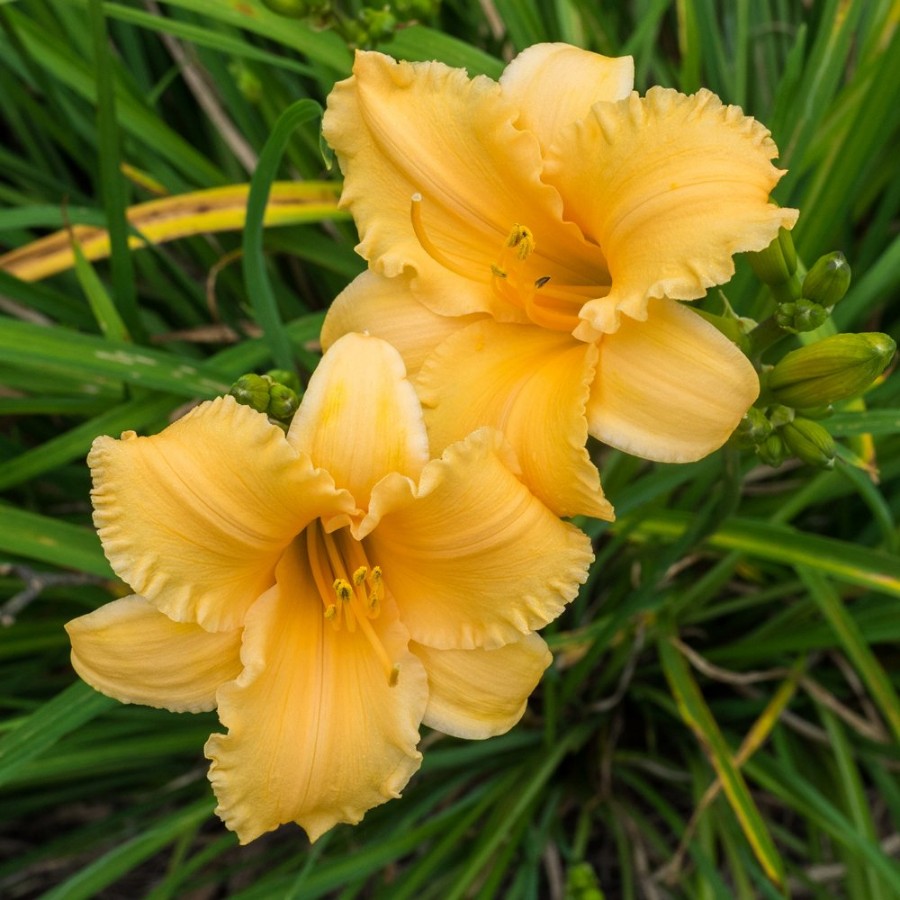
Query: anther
[[521, 237], [343, 590]]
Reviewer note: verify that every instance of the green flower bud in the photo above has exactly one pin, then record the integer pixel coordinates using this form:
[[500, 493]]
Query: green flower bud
[[582, 884], [810, 442], [283, 402], [754, 428], [778, 262], [780, 416], [835, 368], [296, 9], [379, 24], [800, 315], [772, 451], [828, 280], [252, 391], [285, 377]]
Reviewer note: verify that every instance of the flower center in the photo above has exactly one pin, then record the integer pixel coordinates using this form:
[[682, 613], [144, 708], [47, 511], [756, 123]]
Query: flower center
[[351, 589], [515, 279]]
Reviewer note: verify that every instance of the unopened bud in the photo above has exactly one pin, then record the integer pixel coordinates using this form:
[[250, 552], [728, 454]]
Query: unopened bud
[[778, 262], [252, 391], [809, 442], [780, 416], [283, 402], [772, 451], [285, 377], [828, 280], [800, 315], [835, 368], [754, 428], [296, 9]]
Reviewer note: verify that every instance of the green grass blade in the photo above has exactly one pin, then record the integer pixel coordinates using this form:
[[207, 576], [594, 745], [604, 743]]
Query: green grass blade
[[67, 711], [117, 862], [34, 536], [779, 543], [31, 346], [854, 644], [105, 312], [57, 451], [257, 283], [695, 713], [112, 181]]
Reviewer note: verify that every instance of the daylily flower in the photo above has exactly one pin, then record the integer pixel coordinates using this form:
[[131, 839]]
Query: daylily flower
[[528, 240], [326, 590]]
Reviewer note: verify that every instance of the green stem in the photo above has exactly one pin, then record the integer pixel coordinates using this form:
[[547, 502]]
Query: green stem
[[764, 336]]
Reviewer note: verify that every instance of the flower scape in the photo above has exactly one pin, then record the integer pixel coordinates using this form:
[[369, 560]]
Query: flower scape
[[386, 560]]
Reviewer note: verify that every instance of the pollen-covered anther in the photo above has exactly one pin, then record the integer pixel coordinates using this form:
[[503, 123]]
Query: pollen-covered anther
[[376, 592], [521, 238], [343, 590]]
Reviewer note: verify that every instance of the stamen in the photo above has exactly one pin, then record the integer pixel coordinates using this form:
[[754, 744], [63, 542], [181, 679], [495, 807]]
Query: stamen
[[345, 594], [376, 593], [321, 572], [415, 215]]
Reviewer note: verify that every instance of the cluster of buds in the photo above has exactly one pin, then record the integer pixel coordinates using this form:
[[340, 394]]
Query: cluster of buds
[[803, 304], [277, 394], [798, 391], [361, 26], [778, 433]]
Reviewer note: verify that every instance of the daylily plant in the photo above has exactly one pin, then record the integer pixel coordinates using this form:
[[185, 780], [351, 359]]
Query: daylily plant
[[528, 241], [326, 590]]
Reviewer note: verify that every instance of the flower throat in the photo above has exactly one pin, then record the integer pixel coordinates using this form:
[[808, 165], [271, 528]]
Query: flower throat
[[513, 278], [351, 589]]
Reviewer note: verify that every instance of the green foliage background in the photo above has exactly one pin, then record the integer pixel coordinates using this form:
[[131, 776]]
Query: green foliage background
[[741, 623]]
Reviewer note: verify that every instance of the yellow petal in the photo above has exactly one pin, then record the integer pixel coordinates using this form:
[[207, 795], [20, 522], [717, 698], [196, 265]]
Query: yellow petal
[[315, 733], [360, 417], [672, 388], [671, 187], [472, 558], [554, 85], [129, 650], [533, 385], [385, 308], [405, 129], [477, 694], [196, 517]]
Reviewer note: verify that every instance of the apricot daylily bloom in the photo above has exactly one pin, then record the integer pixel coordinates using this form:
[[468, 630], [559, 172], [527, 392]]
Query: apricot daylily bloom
[[327, 590], [528, 241]]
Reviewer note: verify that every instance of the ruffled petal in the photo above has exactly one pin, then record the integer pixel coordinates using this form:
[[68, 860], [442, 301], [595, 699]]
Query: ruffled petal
[[472, 557], [316, 735], [360, 417], [196, 517], [130, 651], [672, 388], [533, 385], [477, 694], [385, 308], [554, 85], [405, 129], [671, 187]]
